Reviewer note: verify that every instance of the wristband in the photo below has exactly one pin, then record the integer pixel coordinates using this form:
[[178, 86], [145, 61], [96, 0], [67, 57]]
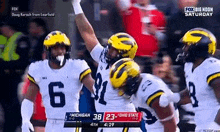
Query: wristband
[[77, 8]]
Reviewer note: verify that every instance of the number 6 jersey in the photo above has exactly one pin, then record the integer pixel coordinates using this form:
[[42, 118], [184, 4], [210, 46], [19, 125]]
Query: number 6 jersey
[[202, 95], [59, 87]]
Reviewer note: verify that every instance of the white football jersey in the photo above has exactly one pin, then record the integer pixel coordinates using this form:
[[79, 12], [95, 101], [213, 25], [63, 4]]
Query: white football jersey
[[150, 88], [107, 98], [202, 95], [59, 87]]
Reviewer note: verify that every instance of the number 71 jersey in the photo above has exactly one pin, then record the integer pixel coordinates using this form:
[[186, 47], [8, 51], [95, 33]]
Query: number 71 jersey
[[201, 94], [59, 87]]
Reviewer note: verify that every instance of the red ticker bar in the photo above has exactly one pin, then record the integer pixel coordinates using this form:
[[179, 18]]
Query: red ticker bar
[[122, 116]]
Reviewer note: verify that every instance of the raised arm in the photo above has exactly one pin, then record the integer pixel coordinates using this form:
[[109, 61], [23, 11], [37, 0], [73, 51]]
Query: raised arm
[[85, 28]]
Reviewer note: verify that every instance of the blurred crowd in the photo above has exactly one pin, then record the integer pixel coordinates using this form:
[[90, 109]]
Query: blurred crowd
[[155, 25]]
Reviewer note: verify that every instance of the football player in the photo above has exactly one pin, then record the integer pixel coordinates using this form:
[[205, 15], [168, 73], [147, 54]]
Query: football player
[[59, 80], [120, 45], [145, 91], [202, 73]]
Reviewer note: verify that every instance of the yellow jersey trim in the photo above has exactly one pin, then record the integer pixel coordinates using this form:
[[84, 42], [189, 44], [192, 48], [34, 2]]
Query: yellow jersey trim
[[125, 129], [154, 96], [31, 78], [212, 77], [84, 73], [77, 129]]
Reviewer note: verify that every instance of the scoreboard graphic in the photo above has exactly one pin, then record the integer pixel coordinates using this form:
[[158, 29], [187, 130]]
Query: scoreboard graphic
[[103, 119]]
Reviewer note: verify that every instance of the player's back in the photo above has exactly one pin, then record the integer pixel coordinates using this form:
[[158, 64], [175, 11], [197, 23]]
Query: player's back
[[150, 88], [59, 87], [202, 95]]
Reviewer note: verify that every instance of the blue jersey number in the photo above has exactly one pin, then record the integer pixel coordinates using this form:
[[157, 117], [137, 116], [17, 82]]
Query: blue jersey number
[[192, 91], [99, 85], [150, 118], [53, 94]]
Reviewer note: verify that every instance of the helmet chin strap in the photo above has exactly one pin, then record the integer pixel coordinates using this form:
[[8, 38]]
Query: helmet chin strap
[[60, 58]]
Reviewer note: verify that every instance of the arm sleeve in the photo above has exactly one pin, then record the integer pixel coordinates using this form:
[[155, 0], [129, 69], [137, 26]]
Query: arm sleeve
[[96, 52], [27, 108]]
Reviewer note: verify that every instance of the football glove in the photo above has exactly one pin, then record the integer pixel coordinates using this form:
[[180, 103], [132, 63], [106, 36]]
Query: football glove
[[27, 126]]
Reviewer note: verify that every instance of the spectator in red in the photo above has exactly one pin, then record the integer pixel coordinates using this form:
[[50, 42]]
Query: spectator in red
[[39, 117], [146, 24]]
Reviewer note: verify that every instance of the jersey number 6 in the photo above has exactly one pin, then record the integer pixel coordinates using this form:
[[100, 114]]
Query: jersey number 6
[[53, 94]]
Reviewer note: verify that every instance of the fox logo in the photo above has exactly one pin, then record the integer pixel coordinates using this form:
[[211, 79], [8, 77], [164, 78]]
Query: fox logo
[[2, 5]]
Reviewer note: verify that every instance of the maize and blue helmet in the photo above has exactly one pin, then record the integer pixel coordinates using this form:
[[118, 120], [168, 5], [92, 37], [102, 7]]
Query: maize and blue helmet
[[124, 44], [201, 43], [56, 38], [124, 76]]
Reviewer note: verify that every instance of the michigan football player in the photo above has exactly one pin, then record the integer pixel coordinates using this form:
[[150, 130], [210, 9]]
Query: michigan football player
[[119, 45], [145, 91], [202, 74], [59, 81]]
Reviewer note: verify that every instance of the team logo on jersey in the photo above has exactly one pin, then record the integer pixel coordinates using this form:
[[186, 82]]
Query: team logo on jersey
[[212, 61], [44, 77]]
